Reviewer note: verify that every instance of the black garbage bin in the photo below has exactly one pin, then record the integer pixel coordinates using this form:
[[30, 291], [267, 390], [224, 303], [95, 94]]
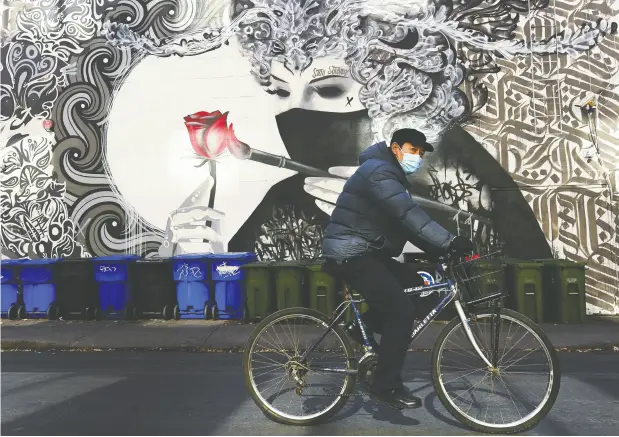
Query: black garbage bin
[[154, 289], [76, 290]]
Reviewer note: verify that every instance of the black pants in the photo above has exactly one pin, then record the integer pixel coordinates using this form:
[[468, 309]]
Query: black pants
[[381, 281]]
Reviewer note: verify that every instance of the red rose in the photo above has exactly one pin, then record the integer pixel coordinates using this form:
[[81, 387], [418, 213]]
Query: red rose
[[209, 133]]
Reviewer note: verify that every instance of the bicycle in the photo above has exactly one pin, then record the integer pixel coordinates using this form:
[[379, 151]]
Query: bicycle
[[477, 313]]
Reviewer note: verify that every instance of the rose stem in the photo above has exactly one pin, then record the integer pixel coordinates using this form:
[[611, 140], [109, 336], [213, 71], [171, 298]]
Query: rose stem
[[212, 166]]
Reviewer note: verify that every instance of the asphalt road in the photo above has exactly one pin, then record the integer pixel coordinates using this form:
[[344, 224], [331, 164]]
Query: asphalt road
[[174, 393]]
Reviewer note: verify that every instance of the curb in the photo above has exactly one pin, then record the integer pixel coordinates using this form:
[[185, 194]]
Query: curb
[[38, 346]]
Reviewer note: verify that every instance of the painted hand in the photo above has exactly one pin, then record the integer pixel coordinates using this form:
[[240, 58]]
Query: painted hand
[[187, 231], [326, 190]]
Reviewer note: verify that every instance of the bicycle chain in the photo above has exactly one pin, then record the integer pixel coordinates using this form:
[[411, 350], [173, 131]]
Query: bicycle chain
[[338, 396]]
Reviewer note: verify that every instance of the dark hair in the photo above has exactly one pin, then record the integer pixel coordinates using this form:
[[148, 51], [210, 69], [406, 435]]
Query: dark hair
[[413, 136]]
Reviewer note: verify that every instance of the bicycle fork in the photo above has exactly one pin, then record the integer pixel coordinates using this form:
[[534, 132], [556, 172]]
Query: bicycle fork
[[471, 337]]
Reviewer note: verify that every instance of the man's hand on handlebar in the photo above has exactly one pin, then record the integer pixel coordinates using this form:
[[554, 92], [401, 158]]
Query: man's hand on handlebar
[[460, 246]]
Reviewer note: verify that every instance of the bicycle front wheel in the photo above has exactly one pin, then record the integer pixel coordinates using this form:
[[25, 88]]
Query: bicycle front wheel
[[292, 390], [510, 397]]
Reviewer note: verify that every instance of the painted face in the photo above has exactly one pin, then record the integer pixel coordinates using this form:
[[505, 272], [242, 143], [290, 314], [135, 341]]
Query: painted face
[[326, 85]]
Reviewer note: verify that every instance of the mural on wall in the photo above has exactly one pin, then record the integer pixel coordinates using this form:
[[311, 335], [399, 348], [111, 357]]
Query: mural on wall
[[311, 83]]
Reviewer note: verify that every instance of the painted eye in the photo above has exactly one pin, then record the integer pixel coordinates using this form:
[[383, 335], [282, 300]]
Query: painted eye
[[279, 92], [330, 91], [311, 44], [277, 48]]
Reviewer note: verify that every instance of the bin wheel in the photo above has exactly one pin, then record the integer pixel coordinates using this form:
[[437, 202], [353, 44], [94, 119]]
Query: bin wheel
[[128, 312], [167, 313], [51, 312], [245, 314], [97, 314], [177, 313], [206, 312], [21, 312], [215, 312], [136, 314], [89, 313], [12, 314]]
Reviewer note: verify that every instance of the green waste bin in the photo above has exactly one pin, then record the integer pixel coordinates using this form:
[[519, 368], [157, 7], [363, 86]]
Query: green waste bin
[[290, 284], [564, 290], [491, 277], [524, 280], [259, 290], [322, 288]]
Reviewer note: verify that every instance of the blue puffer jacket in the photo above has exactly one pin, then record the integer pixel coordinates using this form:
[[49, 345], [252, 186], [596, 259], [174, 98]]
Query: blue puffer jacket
[[375, 213]]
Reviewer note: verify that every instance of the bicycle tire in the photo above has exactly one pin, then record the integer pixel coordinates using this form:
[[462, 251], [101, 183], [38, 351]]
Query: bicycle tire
[[268, 321], [528, 424]]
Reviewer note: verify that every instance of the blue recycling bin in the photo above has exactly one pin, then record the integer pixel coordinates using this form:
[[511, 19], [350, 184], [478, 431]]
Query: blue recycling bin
[[39, 288], [227, 278], [191, 273], [12, 305], [111, 275]]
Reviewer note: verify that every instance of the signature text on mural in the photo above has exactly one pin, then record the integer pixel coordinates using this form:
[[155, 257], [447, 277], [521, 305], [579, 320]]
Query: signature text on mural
[[333, 70]]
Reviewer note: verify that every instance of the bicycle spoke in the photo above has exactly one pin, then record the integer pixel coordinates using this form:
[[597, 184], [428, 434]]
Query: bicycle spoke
[[300, 379], [466, 374], [523, 361]]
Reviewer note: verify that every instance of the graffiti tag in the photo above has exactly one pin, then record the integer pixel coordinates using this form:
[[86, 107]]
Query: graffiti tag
[[106, 269], [227, 271], [333, 70], [184, 272]]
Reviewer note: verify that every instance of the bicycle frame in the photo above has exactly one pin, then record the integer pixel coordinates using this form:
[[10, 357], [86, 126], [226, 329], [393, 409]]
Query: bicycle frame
[[453, 294]]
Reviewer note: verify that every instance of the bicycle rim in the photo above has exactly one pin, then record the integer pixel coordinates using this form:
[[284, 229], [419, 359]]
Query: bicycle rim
[[275, 370], [525, 371]]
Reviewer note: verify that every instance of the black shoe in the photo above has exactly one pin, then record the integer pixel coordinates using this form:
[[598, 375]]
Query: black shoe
[[354, 332], [397, 398]]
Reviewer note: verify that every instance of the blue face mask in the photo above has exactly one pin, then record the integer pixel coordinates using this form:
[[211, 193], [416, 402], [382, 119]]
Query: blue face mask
[[410, 163]]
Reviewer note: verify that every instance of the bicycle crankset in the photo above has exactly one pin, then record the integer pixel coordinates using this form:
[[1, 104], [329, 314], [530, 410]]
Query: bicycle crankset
[[366, 370]]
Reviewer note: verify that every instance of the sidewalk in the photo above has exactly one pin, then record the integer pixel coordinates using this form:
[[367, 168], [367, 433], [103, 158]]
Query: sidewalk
[[602, 333]]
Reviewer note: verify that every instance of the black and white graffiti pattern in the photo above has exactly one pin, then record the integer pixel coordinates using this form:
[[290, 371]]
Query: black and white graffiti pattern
[[426, 64], [35, 220]]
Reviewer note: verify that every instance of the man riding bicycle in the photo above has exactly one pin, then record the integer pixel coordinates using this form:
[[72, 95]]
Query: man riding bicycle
[[373, 219]]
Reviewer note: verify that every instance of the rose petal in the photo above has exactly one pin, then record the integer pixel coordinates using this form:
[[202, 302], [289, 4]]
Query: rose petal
[[200, 115], [216, 136], [236, 147]]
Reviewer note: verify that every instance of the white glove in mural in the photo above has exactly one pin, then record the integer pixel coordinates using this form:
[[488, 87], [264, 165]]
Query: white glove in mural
[[326, 190], [193, 227]]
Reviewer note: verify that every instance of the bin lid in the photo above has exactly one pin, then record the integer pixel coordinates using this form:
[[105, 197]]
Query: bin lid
[[116, 258], [561, 262], [303, 263], [315, 266], [154, 261], [258, 264], [41, 261], [192, 256], [232, 255], [66, 261], [522, 262], [12, 262]]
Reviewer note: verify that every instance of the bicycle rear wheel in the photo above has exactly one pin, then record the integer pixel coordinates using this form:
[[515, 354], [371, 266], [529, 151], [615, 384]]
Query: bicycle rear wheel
[[287, 389], [512, 397]]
